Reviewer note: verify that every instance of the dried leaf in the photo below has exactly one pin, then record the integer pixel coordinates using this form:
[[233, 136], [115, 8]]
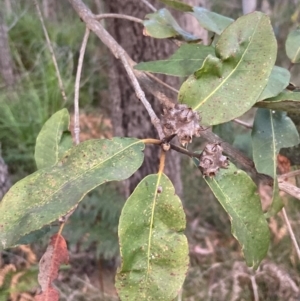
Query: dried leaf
[[55, 255]]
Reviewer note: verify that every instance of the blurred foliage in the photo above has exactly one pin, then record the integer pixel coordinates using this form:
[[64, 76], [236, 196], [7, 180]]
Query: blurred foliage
[[216, 265], [94, 224], [36, 95]]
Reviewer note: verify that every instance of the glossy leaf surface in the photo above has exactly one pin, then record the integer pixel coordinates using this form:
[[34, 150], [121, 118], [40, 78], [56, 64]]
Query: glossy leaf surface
[[50, 193], [285, 101], [292, 46], [210, 20], [278, 81], [161, 24], [185, 61], [154, 249], [272, 130], [237, 193], [53, 140], [229, 84]]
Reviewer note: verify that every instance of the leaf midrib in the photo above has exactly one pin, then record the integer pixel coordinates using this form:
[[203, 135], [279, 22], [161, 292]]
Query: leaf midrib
[[228, 202], [229, 75], [88, 170], [151, 224]]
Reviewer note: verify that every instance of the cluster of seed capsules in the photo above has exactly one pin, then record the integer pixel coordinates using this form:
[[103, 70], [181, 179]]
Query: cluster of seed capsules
[[183, 122]]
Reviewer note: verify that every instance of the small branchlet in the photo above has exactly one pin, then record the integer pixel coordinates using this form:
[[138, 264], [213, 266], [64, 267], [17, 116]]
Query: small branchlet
[[181, 121], [212, 159]]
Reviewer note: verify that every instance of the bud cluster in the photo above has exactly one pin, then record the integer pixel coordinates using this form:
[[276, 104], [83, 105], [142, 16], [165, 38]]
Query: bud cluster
[[182, 121], [212, 159]]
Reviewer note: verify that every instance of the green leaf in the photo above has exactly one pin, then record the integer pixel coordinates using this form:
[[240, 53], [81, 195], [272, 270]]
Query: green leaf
[[178, 5], [271, 132], [243, 142], [210, 20], [229, 85], [37, 235], [50, 193], [161, 25], [225, 131], [153, 246], [279, 79], [292, 46], [285, 101], [237, 193], [185, 61], [53, 140]]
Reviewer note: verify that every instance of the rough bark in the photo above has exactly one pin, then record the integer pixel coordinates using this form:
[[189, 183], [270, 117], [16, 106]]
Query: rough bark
[[129, 117], [50, 9], [249, 6], [6, 63], [4, 179]]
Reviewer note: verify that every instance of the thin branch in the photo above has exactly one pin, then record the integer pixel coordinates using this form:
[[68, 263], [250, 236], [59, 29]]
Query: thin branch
[[118, 16], [289, 188], [77, 86], [162, 161], [184, 151], [291, 66], [254, 288], [153, 88], [151, 141], [17, 19], [140, 94], [237, 156], [291, 174], [243, 123], [147, 3], [88, 17], [60, 83], [162, 83], [291, 232]]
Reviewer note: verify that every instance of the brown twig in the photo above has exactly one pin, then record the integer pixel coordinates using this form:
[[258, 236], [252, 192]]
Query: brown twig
[[254, 288], [289, 188], [162, 161], [184, 151], [236, 156], [291, 174], [89, 18], [118, 16], [151, 86], [60, 83], [162, 83], [291, 232], [243, 123], [77, 86], [140, 94], [147, 3], [291, 66]]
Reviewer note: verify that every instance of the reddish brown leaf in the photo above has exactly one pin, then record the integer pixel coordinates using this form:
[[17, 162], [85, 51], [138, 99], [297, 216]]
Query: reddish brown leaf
[[55, 255], [283, 164], [51, 295]]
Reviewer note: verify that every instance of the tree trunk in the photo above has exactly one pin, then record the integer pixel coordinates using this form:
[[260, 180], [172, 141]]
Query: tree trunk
[[129, 117], [4, 179], [249, 6], [50, 9], [6, 63]]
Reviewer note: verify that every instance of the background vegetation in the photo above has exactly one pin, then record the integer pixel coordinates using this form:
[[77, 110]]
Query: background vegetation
[[217, 269]]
